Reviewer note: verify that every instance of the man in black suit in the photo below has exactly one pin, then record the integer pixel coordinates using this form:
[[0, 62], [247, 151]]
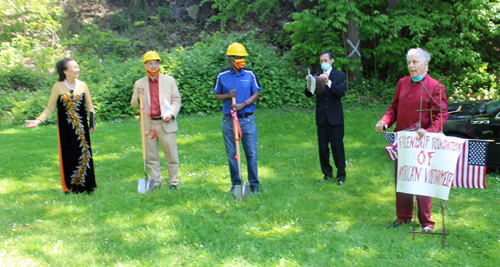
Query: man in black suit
[[330, 118]]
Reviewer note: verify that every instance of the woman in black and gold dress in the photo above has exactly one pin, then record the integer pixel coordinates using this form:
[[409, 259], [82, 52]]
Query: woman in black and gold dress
[[72, 98]]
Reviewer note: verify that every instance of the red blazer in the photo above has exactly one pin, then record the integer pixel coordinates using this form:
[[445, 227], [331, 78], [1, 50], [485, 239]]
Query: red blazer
[[407, 101]]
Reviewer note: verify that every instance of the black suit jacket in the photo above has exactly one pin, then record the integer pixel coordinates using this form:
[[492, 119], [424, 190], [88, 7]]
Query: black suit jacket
[[329, 103]]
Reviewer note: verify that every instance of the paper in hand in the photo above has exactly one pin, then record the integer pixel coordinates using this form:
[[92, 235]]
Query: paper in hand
[[165, 109], [311, 82]]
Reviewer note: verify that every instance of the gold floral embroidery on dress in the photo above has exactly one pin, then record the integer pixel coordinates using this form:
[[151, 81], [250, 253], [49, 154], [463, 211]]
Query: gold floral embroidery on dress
[[72, 103]]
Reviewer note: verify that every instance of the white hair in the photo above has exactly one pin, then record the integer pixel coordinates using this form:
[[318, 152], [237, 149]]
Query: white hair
[[424, 55]]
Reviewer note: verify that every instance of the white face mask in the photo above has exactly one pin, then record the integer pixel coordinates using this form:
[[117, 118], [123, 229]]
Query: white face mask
[[325, 66]]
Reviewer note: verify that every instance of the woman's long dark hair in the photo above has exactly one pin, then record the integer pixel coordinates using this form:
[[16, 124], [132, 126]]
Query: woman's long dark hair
[[61, 66]]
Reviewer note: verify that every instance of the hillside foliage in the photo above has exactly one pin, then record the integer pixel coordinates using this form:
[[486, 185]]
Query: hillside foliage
[[463, 37]]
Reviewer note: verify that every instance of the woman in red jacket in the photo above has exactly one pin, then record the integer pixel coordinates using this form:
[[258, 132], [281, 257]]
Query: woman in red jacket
[[412, 96]]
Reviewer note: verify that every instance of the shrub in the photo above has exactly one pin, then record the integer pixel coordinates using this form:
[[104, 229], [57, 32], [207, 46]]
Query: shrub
[[21, 78], [111, 79], [195, 70], [21, 93], [371, 91], [29, 105], [28, 35], [110, 83], [473, 84], [93, 41]]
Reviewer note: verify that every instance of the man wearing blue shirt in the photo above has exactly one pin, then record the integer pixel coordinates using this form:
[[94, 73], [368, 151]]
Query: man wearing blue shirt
[[241, 83]]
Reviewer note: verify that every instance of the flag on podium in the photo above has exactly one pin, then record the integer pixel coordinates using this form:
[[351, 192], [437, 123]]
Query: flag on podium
[[390, 136], [471, 166], [392, 149]]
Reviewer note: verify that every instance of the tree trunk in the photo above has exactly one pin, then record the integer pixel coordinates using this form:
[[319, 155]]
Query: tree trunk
[[353, 46]]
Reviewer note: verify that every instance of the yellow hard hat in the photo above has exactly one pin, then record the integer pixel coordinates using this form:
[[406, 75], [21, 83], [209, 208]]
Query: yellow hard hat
[[151, 55], [236, 49]]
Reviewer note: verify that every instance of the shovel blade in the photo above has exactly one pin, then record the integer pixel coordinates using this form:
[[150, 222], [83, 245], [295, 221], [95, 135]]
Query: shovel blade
[[237, 192], [241, 191], [145, 186], [246, 191]]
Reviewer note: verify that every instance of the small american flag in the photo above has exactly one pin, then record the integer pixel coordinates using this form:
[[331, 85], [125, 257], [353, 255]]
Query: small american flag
[[471, 166], [390, 136], [392, 149]]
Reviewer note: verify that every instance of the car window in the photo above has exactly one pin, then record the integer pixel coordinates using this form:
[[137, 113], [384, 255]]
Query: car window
[[493, 106]]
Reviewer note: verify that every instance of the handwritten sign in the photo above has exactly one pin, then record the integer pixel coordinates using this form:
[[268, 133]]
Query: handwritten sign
[[427, 165]]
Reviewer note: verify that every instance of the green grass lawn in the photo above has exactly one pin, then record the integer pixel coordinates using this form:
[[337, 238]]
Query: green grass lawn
[[295, 222]]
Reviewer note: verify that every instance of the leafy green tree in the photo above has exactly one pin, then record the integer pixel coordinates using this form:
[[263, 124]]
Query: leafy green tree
[[283, 84], [462, 36], [29, 33], [324, 28]]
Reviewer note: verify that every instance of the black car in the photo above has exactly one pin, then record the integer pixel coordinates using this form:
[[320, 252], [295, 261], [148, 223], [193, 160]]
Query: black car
[[477, 120]]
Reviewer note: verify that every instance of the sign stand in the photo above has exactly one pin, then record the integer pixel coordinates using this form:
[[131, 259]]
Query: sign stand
[[444, 233]]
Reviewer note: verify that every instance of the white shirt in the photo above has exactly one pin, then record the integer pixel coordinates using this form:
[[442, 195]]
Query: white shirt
[[328, 73]]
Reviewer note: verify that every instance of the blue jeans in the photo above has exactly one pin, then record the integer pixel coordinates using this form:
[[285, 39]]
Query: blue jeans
[[249, 141]]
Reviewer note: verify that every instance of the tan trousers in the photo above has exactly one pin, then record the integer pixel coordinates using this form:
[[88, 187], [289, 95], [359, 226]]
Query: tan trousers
[[169, 146]]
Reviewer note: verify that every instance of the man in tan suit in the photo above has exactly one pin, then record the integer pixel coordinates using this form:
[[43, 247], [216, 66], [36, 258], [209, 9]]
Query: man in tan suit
[[162, 102]]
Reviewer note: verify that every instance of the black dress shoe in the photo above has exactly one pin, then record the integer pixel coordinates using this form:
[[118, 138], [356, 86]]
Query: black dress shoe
[[326, 178], [173, 188], [340, 180], [396, 224]]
